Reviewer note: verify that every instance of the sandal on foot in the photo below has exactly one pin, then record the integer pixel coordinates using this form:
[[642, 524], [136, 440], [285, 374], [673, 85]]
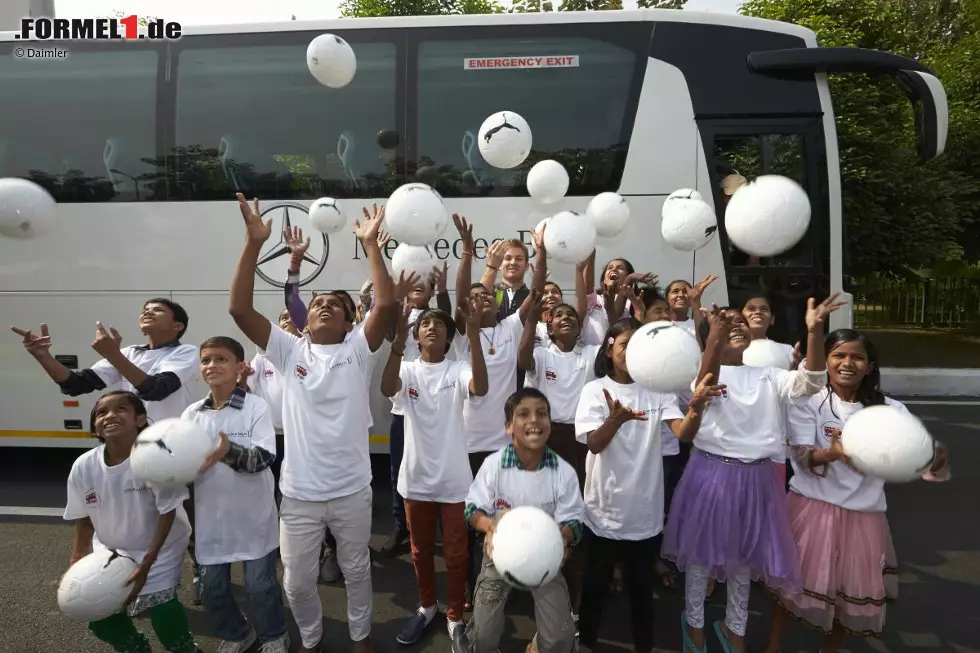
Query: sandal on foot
[[689, 646], [726, 644]]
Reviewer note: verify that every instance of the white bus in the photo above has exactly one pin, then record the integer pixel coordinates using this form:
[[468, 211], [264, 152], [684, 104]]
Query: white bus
[[144, 144]]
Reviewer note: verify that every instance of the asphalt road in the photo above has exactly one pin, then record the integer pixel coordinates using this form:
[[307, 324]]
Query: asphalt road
[[935, 527]]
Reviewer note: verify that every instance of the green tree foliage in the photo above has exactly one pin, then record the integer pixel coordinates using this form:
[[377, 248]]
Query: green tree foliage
[[377, 8], [900, 213], [661, 4]]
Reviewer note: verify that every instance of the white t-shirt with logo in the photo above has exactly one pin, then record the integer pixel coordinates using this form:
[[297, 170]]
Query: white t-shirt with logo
[[434, 466], [560, 376], [747, 421], [811, 424], [266, 382], [235, 512], [325, 415], [182, 360], [554, 491], [484, 416], [125, 514], [624, 485], [411, 353]]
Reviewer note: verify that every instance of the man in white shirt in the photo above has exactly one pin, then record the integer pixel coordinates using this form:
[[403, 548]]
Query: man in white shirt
[[326, 473]]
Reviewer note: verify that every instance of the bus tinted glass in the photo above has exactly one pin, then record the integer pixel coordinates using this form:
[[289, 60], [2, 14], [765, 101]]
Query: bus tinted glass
[[250, 117], [82, 126], [576, 98]]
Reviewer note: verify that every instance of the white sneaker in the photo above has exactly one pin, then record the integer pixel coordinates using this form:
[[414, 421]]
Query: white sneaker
[[280, 645], [240, 646]]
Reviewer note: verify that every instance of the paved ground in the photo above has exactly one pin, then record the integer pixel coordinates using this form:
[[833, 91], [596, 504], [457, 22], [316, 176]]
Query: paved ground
[[936, 531]]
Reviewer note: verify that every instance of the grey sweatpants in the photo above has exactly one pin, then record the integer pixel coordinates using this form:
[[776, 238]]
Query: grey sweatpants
[[552, 613]]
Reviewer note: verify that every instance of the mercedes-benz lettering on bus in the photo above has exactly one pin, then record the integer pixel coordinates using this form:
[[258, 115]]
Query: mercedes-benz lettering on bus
[[144, 144]]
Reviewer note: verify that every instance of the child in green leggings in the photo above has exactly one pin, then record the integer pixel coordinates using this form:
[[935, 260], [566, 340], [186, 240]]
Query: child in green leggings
[[111, 509]]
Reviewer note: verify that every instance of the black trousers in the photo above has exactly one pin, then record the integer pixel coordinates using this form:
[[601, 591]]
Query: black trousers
[[638, 558], [475, 562]]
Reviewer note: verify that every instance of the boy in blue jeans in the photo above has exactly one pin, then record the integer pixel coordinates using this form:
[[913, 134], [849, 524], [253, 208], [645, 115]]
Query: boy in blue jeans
[[234, 499]]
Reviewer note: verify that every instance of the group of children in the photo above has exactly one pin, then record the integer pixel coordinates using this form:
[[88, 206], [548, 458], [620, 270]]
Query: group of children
[[515, 399]]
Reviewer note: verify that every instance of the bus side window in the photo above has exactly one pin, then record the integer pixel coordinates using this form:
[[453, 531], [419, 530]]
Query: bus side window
[[575, 92], [66, 121], [250, 117]]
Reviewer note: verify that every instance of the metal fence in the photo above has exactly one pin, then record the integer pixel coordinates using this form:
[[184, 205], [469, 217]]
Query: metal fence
[[938, 303]]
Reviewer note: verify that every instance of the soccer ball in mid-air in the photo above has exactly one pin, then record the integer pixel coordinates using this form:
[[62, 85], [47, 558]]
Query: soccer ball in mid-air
[[570, 237], [609, 212], [170, 452], [326, 216], [416, 214], [766, 353], [528, 547], [888, 442], [768, 216], [331, 60], [26, 209], [505, 140], [663, 357], [687, 223], [95, 587], [409, 259], [547, 181]]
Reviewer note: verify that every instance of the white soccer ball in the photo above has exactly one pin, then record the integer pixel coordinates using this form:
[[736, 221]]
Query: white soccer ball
[[547, 181], [95, 587], [888, 443], [688, 224], [326, 215], [505, 140], [570, 237], [331, 60], [766, 353], [663, 357], [170, 452], [26, 209], [409, 259], [683, 194], [528, 547], [541, 225], [609, 212], [416, 214], [768, 216]]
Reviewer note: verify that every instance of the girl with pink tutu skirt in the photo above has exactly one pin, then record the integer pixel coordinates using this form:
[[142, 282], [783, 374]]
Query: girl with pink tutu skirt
[[837, 514], [728, 517]]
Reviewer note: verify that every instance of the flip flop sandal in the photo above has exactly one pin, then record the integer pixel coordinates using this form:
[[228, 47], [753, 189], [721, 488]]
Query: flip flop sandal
[[689, 646], [726, 645]]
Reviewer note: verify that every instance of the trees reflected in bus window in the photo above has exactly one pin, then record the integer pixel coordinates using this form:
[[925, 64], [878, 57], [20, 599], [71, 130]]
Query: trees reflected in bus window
[[766, 154], [83, 127], [578, 114], [253, 119]]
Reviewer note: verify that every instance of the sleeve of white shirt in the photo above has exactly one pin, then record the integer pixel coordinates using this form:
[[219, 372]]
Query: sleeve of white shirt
[[570, 505], [591, 412], [480, 494], [263, 432], [105, 371], [540, 363], [670, 408], [168, 498], [184, 362], [464, 374], [514, 326], [801, 424], [894, 403], [406, 373], [793, 384], [75, 507], [280, 348], [358, 341], [592, 331], [256, 382]]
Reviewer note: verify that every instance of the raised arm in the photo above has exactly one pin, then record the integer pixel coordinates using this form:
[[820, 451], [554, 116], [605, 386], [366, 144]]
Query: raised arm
[[385, 305], [252, 323], [39, 346], [581, 287], [525, 351], [443, 302], [719, 326], [537, 279], [495, 257], [480, 383], [298, 248], [391, 382], [464, 274]]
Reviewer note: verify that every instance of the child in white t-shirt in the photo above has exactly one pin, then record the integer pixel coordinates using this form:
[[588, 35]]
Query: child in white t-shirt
[[234, 500], [524, 473], [146, 523], [435, 474], [621, 422]]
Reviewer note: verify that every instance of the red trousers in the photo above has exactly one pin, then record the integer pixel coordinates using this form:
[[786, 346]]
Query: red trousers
[[422, 517]]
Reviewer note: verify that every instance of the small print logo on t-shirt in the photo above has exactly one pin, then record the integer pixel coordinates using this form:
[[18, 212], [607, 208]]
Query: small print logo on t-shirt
[[502, 504], [300, 372], [137, 488], [92, 499], [268, 374], [551, 375], [829, 428], [413, 394], [343, 363]]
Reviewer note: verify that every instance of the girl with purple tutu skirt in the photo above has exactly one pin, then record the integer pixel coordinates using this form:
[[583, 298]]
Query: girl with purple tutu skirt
[[837, 514], [620, 423], [728, 518]]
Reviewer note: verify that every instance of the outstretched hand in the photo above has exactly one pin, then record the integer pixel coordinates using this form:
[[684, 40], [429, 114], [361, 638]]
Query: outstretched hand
[[704, 392], [816, 314], [367, 232], [622, 414], [256, 230], [35, 345]]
